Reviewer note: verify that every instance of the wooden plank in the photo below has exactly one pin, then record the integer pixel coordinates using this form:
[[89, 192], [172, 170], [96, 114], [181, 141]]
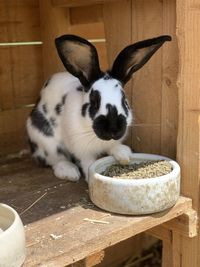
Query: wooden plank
[[86, 30], [19, 21], [85, 14], [80, 238], [146, 92], [188, 145], [167, 256], [186, 225], [54, 22], [118, 35], [12, 130], [21, 80], [169, 104], [145, 138], [75, 3], [162, 233]]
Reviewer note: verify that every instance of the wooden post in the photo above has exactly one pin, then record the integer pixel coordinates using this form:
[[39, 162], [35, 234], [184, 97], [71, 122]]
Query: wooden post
[[54, 22], [117, 21], [187, 251]]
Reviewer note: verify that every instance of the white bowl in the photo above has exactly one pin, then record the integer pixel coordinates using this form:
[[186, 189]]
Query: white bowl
[[12, 239], [134, 196]]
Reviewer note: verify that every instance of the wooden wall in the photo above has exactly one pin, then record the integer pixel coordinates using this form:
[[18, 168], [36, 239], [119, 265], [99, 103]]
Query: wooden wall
[[24, 67], [152, 92], [21, 69], [27, 32]]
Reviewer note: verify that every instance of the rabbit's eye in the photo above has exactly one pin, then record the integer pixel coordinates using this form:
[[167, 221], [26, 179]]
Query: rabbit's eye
[[125, 104]]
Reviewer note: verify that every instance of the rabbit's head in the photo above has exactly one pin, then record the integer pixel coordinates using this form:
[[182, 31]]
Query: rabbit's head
[[105, 103]]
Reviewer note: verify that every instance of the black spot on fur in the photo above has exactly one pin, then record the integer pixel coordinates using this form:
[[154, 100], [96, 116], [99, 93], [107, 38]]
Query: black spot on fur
[[63, 152], [84, 108], [53, 121], [33, 146], [107, 77], [58, 108], [95, 101], [41, 123], [80, 88], [116, 85], [124, 103], [111, 126], [46, 153], [41, 161], [44, 108], [64, 99]]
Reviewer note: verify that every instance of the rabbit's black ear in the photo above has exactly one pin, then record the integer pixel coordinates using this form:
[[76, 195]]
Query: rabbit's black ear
[[133, 57], [79, 57]]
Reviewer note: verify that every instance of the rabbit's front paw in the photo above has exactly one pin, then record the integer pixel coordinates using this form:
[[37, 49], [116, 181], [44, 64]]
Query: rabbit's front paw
[[66, 170], [121, 153]]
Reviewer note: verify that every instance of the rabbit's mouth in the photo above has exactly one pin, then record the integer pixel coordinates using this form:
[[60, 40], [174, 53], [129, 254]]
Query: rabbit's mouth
[[108, 130]]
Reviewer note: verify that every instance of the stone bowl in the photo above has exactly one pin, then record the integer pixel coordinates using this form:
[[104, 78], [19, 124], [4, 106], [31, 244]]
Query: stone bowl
[[134, 196], [12, 238]]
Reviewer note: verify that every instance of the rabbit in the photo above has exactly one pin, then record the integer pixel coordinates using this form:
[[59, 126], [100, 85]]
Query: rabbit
[[84, 113]]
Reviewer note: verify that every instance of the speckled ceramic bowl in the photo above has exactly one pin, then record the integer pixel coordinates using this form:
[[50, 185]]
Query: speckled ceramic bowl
[[134, 196], [12, 238]]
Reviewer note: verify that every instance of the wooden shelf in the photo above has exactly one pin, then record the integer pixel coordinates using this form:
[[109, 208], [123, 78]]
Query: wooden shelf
[[60, 226], [79, 238]]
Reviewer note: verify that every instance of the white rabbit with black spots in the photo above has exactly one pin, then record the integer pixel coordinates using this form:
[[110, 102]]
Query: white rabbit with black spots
[[84, 113]]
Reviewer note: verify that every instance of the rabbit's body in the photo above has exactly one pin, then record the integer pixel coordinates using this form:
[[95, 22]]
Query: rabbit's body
[[84, 113], [64, 133]]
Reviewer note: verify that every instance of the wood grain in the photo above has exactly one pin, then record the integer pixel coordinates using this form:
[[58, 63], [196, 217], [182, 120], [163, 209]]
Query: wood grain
[[54, 22], [146, 90], [188, 146], [19, 21], [84, 236], [12, 130], [75, 3], [21, 80], [169, 97]]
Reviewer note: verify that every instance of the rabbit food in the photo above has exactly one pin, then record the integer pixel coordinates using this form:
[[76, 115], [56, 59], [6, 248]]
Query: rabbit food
[[147, 169]]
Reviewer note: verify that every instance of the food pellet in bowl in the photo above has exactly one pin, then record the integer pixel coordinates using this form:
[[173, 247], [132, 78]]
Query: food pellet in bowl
[[147, 169]]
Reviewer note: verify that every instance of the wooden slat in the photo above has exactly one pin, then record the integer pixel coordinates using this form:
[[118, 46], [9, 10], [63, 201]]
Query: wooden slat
[[169, 104], [188, 147], [161, 233], [186, 225], [167, 255], [21, 79], [54, 22], [87, 31], [118, 35], [80, 238], [19, 21], [12, 130], [146, 96], [145, 138], [75, 3], [85, 14]]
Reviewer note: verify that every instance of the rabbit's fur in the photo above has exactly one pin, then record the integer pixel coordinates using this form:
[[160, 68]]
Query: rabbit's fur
[[84, 113]]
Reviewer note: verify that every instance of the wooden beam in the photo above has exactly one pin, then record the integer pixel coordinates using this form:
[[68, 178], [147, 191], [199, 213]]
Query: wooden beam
[[76, 3], [161, 233], [118, 35], [188, 144], [169, 89], [186, 225], [54, 22]]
